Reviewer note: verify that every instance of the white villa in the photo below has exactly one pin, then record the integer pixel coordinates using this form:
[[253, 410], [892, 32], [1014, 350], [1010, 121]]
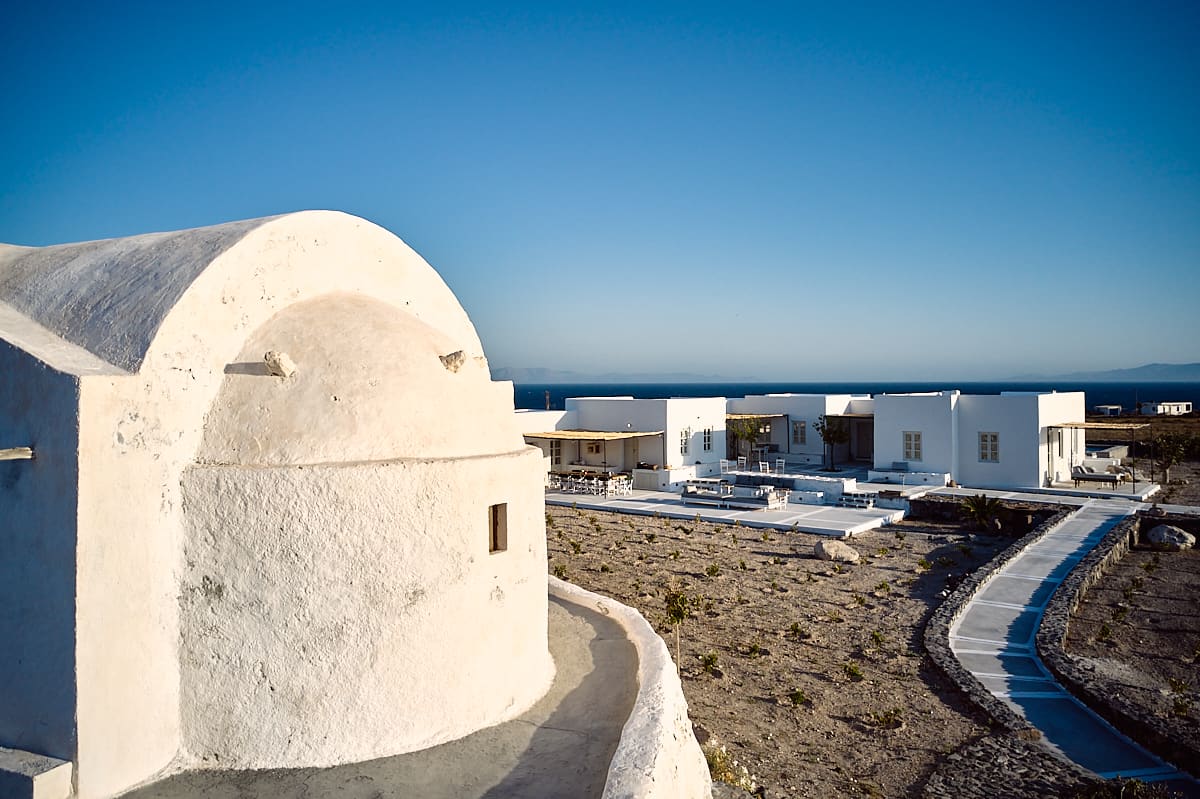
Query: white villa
[[663, 443], [1005, 440], [1166, 408]]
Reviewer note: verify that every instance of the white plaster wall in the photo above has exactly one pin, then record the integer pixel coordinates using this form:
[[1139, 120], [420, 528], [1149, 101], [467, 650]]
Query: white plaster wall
[[658, 756], [1015, 418], [933, 415], [39, 409], [1055, 408], [533, 421], [418, 634], [138, 433], [692, 416]]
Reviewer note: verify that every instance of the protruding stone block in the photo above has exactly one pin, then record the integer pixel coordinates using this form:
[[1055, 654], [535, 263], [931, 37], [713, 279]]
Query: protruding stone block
[[25, 775]]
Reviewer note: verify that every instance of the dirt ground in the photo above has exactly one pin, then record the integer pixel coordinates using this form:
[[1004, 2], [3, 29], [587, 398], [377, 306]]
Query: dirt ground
[[1184, 488], [810, 674], [1140, 626]]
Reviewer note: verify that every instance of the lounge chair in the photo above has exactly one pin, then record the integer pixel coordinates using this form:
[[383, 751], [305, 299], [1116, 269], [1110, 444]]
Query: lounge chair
[[1088, 474]]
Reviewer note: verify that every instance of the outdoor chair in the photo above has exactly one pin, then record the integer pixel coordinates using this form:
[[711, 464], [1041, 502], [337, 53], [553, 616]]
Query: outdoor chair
[[780, 463], [742, 465]]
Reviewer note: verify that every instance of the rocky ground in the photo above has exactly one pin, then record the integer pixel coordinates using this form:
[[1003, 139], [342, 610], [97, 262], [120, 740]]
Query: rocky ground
[[1140, 627], [811, 674]]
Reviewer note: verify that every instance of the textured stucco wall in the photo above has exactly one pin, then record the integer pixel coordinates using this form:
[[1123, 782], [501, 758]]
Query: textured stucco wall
[[336, 613], [155, 326], [38, 408]]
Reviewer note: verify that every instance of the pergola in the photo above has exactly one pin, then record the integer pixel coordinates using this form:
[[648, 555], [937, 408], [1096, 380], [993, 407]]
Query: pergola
[[596, 436], [1129, 428]]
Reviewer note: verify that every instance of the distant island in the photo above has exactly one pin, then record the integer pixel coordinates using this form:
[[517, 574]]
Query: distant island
[[1149, 373]]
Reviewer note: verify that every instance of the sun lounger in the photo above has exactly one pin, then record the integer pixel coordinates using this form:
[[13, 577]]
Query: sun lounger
[[1088, 474]]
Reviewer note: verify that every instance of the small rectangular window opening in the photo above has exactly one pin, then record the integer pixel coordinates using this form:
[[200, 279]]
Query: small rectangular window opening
[[498, 528]]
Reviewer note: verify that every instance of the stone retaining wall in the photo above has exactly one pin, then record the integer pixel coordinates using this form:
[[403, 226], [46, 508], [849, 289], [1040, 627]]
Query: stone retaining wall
[[937, 631], [1011, 758], [1101, 694]]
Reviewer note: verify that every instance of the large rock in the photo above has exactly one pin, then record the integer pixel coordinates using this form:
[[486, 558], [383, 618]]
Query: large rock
[[836, 551], [1169, 536]]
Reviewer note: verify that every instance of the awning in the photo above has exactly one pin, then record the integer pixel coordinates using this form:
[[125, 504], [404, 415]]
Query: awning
[[754, 416], [1103, 425], [592, 435], [851, 415]]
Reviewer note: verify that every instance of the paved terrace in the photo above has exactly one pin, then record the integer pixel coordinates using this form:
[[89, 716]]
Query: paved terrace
[[561, 747], [821, 519]]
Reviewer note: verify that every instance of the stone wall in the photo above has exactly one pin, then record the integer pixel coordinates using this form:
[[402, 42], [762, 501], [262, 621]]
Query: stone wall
[[1097, 691], [1011, 757]]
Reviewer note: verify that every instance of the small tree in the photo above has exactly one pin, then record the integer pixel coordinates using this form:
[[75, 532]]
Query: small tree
[[832, 433], [1169, 450], [678, 609], [743, 429]]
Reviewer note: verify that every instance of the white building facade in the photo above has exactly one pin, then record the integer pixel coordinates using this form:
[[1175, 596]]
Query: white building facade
[[662, 442], [1166, 408], [788, 425], [1005, 440]]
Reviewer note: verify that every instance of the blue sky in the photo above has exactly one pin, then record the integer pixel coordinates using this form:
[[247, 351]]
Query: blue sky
[[770, 191]]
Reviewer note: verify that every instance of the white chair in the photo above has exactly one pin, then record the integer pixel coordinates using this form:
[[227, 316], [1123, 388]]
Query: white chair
[[742, 465], [779, 464], [764, 467], [724, 465]]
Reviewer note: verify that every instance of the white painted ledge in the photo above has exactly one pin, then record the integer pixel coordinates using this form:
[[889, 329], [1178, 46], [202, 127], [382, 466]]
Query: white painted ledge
[[658, 756], [25, 775]]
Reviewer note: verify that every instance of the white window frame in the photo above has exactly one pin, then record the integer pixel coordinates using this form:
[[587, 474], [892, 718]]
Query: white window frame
[[708, 439], [989, 447], [912, 445], [556, 453], [685, 441], [800, 432]]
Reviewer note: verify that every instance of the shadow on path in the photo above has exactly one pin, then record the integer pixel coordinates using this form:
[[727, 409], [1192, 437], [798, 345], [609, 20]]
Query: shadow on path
[[561, 747]]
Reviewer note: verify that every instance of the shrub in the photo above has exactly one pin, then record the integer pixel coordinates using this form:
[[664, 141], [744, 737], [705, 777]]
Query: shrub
[[708, 661], [924, 565], [884, 587], [798, 697], [724, 768], [560, 571], [853, 671], [604, 567], [713, 570]]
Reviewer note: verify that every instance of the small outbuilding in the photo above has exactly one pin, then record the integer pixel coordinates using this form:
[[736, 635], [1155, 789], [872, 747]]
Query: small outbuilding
[[267, 507]]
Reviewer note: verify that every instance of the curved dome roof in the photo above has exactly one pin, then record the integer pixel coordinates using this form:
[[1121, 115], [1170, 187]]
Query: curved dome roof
[[372, 382]]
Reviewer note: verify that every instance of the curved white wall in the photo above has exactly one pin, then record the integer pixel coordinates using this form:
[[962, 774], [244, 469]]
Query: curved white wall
[[336, 613], [176, 313]]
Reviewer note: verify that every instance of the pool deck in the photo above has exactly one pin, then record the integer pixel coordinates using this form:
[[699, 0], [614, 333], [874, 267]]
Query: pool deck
[[820, 519]]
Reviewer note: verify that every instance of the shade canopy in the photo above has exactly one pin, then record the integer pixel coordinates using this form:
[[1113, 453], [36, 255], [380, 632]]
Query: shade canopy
[[592, 435]]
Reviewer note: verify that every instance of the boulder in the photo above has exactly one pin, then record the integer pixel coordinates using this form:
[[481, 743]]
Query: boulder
[[836, 551], [1168, 536]]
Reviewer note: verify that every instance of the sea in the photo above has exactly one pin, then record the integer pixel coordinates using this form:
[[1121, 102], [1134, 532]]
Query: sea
[[1127, 395]]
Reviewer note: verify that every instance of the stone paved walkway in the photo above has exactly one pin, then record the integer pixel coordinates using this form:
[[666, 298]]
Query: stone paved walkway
[[994, 640], [559, 749]]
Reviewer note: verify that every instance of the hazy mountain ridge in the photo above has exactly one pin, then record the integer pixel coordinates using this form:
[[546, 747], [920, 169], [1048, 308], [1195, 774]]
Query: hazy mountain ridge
[[1150, 372], [539, 375]]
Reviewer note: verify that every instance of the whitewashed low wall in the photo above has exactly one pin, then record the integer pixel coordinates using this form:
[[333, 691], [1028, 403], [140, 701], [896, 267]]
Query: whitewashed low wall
[[658, 756], [672, 479], [909, 478]]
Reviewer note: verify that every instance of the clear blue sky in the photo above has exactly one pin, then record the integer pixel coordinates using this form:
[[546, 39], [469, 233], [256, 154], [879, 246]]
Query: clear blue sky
[[772, 191]]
